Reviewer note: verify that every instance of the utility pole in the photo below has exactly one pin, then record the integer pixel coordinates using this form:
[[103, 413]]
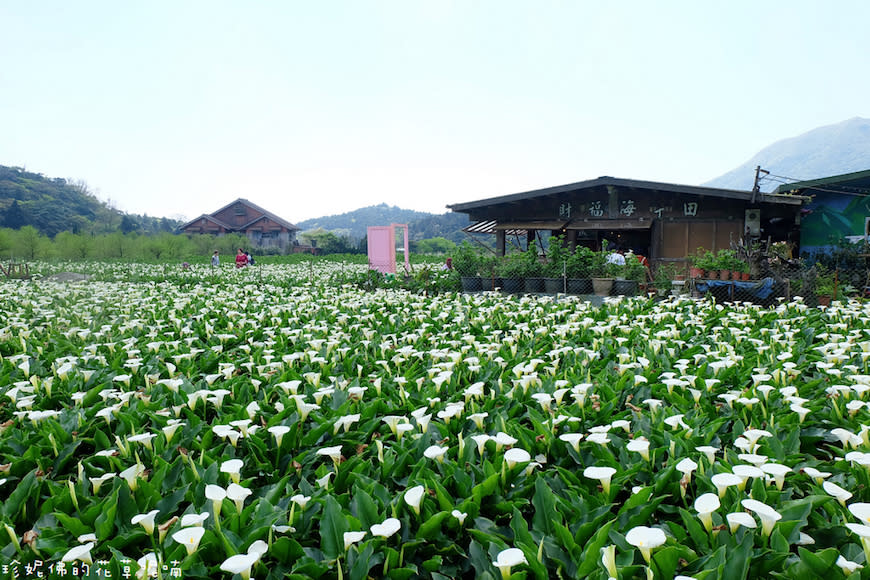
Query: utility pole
[[756, 187]]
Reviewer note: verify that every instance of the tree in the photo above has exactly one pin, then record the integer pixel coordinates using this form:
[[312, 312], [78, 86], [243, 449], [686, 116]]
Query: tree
[[436, 245], [128, 224], [14, 217], [73, 246], [29, 244]]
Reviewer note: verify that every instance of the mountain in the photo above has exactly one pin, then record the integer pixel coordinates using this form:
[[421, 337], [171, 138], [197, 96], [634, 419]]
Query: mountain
[[54, 205], [821, 152], [421, 225]]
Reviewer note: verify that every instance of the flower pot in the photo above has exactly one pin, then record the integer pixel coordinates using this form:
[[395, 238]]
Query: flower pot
[[579, 286], [624, 288], [470, 283], [696, 272], [489, 283], [724, 274], [735, 275], [712, 274], [554, 285], [744, 276], [534, 284], [602, 286], [512, 285]]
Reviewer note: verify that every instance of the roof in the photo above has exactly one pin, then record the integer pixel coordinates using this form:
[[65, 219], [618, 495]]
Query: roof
[[210, 218], [271, 216], [857, 183], [244, 201], [778, 198]]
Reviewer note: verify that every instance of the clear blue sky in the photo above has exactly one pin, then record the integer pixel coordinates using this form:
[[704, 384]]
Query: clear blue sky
[[313, 108]]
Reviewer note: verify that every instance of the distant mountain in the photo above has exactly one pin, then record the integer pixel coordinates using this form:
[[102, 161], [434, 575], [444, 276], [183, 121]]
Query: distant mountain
[[822, 152], [54, 205], [421, 225]]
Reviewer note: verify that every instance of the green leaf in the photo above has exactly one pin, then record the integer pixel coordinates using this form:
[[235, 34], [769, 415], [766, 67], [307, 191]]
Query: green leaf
[[27, 487], [73, 525], [695, 529], [333, 525], [485, 488], [364, 508], [431, 526], [592, 553], [105, 523], [817, 563], [544, 502]]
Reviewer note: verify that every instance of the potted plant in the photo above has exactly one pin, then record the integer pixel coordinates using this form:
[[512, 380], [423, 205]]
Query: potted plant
[[629, 276], [511, 269], [726, 262], [603, 272], [533, 272], [578, 269], [667, 278], [557, 266], [826, 286], [466, 262], [703, 261], [486, 268]]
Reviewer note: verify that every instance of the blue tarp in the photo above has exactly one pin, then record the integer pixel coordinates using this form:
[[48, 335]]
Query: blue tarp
[[761, 289]]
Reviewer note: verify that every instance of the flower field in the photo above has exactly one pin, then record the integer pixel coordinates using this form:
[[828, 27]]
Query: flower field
[[276, 423]]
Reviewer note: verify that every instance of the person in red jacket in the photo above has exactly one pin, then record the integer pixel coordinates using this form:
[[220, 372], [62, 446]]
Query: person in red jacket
[[241, 259]]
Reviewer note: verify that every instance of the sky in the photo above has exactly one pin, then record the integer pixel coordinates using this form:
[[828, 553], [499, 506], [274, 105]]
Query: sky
[[309, 109]]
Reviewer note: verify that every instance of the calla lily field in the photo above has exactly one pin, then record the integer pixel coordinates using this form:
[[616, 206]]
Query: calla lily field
[[286, 422]]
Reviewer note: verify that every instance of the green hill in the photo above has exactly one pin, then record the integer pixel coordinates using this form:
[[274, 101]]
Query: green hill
[[54, 205], [421, 225]]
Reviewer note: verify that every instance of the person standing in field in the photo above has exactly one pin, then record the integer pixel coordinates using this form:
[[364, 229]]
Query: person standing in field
[[215, 259], [241, 259]]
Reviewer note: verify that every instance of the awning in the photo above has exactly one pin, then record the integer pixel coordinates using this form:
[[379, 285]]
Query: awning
[[532, 225], [491, 226]]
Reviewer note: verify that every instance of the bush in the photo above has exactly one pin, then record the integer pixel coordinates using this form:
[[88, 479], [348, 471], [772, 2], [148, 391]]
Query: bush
[[581, 262]]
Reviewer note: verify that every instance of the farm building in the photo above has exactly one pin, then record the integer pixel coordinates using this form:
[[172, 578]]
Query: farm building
[[664, 221], [262, 228], [839, 207]]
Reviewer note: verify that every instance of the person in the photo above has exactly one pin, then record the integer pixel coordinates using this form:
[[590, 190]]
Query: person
[[616, 257], [448, 265], [241, 259], [215, 259], [250, 258]]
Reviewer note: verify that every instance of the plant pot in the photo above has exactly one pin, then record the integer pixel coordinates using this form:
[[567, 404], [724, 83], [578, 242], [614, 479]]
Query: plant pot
[[579, 286], [735, 275], [512, 285], [489, 283], [744, 276], [712, 274], [602, 286], [696, 272], [470, 283], [624, 288], [534, 284], [554, 285], [724, 274]]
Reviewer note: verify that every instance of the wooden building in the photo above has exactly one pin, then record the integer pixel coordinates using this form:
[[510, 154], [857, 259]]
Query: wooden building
[[664, 221], [262, 228]]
